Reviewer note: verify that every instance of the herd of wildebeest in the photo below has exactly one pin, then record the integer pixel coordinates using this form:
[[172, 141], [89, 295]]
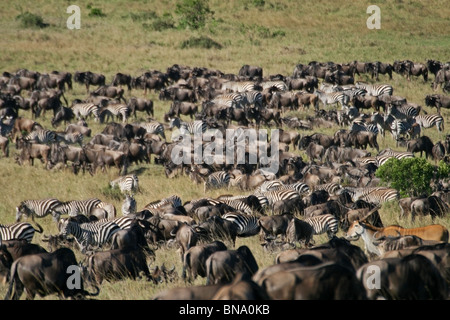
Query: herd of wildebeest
[[331, 186]]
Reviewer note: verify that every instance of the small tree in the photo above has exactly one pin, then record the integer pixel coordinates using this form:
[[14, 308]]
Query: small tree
[[193, 13], [410, 176]]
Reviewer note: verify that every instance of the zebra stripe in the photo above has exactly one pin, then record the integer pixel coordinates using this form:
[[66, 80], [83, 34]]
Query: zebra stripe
[[333, 98], [369, 127], [386, 154], [375, 90], [129, 205], [300, 187], [76, 207], [229, 100], [324, 223], [404, 111], [277, 195], [20, 230], [42, 136], [278, 85], [89, 234], [332, 188], [239, 86], [38, 208], [247, 224], [173, 201], [194, 127], [217, 180], [429, 120], [380, 196], [252, 98], [123, 222], [83, 110], [115, 110], [153, 127], [269, 185], [127, 184]]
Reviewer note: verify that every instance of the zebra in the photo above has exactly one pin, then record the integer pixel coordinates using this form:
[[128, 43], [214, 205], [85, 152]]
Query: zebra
[[253, 98], [429, 120], [239, 86], [402, 112], [154, 127], [382, 195], [88, 234], [114, 110], [399, 128], [70, 138], [229, 100], [369, 127], [333, 98], [238, 204], [76, 207], [324, 223], [278, 85], [300, 187], [247, 224], [375, 90], [280, 195], [383, 122], [42, 136], [363, 193], [39, 208], [82, 110], [269, 185], [382, 157], [19, 230], [173, 201], [129, 205], [332, 188], [217, 180], [193, 128], [127, 184]]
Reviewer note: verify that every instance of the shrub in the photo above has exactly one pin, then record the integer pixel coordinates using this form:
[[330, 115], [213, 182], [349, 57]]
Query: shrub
[[410, 176], [200, 42], [96, 12], [31, 20], [193, 13]]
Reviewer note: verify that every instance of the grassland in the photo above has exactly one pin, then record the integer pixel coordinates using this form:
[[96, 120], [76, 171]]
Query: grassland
[[275, 35]]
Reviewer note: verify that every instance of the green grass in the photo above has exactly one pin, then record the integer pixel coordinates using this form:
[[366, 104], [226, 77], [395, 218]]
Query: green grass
[[132, 37]]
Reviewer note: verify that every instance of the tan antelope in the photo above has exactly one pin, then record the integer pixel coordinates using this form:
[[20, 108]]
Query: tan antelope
[[370, 233]]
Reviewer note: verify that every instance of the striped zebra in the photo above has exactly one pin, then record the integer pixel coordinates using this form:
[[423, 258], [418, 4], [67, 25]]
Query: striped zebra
[[404, 111], [269, 185], [70, 138], [375, 90], [429, 120], [363, 193], [124, 222], [229, 100], [278, 85], [382, 121], [238, 205], [118, 110], [380, 196], [192, 128], [76, 207], [217, 180], [252, 98], [89, 234], [247, 224], [300, 187], [324, 223], [83, 110], [42, 136], [128, 184], [39, 208], [399, 128], [388, 153], [154, 127], [363, 126], [19, 230], [129, 205], [173, 201], [280, 195], [239, 86], [332, 188], [333, 98]]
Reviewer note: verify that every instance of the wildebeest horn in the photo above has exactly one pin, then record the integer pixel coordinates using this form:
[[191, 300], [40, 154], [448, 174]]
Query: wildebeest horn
[[369, 213]]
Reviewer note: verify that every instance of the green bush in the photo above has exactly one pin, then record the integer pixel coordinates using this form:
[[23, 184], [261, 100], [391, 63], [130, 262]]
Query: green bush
[[31, 20], [410, 176], [96, 12], [193, 13], [200, 42]]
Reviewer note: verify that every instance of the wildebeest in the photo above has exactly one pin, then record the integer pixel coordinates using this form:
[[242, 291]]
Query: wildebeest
[[45, 274], [194, 260], [421, 144], [413, 277], [223, 266]]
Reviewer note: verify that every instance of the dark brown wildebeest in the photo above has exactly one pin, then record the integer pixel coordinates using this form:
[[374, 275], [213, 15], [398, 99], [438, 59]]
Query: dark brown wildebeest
[[45, 274], [251, 72], [242, 288], [120, 79], [413, 277], [89, 78], [200, 292], [421, 144], [142, 105], [223, 266], [272, 226], [194, 262]]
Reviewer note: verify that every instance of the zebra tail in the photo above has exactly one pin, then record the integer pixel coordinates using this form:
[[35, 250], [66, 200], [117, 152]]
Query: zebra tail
[[40, 229]]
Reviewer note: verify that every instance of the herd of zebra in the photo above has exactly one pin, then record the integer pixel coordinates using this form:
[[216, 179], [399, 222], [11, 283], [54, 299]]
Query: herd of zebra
[[299, 190]]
